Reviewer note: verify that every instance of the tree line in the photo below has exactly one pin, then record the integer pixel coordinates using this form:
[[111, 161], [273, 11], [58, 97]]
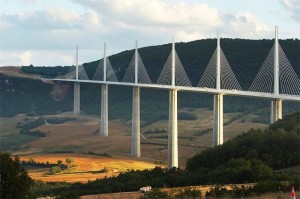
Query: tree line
[[249, 158]]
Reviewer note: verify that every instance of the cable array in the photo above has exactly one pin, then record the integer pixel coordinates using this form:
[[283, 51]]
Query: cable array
[[181, 78], [142, 72], [165, 75], [98, 75], [81, 73], [72, 73], [289, 80], [110, 73], [228, 79], [130, 72], [143, 76], [263, 81], [208, 79]]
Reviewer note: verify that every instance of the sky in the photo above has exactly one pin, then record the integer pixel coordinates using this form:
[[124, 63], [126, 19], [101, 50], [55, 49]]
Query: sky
[[46, 32]]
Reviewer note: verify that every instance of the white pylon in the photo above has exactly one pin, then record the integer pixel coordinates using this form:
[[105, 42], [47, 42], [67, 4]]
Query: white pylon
[[104, 101], [135, 138], [218, 102], [172, 132], [276, 104], [76, 108]]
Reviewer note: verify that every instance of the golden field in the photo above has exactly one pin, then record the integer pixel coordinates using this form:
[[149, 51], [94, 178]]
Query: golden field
[[86, 167]]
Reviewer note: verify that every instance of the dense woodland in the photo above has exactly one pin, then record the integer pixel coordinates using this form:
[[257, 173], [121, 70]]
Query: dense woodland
[[251, 157], [245, 58]]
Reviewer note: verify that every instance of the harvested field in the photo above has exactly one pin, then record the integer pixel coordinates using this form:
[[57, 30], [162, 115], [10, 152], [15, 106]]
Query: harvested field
[[87, 167]]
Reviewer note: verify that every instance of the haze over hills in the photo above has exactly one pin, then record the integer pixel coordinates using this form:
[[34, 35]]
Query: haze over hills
[[22, 92]]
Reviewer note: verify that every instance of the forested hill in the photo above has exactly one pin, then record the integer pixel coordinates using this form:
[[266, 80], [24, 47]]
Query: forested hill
[[244, 56], [23, 95], [277, 146]]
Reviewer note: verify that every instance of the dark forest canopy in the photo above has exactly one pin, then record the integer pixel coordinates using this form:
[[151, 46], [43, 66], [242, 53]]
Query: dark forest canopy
[[277, 146]]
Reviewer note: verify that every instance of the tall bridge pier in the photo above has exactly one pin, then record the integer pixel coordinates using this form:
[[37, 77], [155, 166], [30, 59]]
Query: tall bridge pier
[[76, 107], [276, 110], [173, 128], [276, 104], [218, 120], [218, 102], [136, 120], [135, 138], [172, 132], [104, 101], [104, 111]]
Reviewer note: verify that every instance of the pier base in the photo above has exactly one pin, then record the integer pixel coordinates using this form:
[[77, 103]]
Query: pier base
[[276, 110], [218, 120]]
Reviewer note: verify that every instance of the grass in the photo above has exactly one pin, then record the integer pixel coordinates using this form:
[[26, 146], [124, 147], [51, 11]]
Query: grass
[[10, 138]]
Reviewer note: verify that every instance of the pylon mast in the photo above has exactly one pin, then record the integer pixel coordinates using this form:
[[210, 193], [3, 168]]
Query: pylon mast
[[276, 64]]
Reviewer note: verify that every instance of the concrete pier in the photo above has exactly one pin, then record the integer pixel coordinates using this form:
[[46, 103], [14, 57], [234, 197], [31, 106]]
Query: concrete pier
[[76, 107], [135, 138], [218, 120], [218, 102], [276, 104], [104, 111], [172, 133], [276, 110]]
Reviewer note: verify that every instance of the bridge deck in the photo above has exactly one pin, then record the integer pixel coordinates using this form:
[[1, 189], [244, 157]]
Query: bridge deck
[[193, 89]]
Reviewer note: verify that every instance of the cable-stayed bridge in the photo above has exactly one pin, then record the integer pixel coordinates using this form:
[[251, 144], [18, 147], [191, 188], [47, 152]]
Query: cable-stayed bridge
[[276, 80]]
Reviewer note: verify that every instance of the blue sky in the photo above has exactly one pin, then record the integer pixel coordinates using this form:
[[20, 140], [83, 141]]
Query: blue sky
[[45, 32]]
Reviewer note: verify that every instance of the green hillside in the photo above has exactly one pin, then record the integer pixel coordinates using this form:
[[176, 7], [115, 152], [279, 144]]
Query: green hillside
[[277, 146]]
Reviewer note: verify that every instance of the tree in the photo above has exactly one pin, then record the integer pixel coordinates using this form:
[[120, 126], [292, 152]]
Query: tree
[[14, 182], [59, 162], [54, 170], [31, 161], [69, 160]]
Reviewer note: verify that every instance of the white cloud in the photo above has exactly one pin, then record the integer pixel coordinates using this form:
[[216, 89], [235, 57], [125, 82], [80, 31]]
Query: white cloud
[[288, 3], [293, 6], [244, 24], [51, 19], [120, 23], [153, 13], [188, 21], [15, 58], [25, 57], [46, 57]]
